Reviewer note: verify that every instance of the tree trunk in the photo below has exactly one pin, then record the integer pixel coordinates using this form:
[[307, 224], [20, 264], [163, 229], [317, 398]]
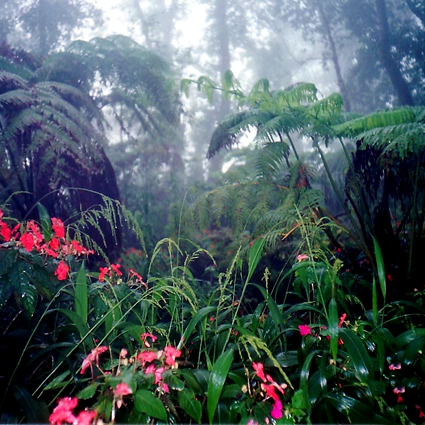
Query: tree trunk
[[334, 55], [388, 62]]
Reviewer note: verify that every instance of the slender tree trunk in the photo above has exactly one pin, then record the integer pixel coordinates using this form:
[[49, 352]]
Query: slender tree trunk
[[42, 29], [328, 31], [387, 60], [224, 51]]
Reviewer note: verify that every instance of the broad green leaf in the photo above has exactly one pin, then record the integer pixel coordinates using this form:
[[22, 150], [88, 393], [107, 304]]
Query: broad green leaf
[[216, 381], [187, 401], [190, 380], [81, 301], [146, 402], [88, 392], [7, 259], [25, 292], [359, 357]]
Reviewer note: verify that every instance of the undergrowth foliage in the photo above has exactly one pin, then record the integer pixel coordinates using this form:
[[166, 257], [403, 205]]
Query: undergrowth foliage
[[111, 346]]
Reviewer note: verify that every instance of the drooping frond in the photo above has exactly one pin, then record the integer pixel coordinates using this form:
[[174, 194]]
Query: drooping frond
[[269, 160]]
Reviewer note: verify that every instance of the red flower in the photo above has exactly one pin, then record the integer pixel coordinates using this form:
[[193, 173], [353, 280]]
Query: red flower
[[304, 330], [116, 269], [103, 272], [27, 241], [259, 370], [341, 320], [78, 248], [63, 411], [58, 227], [171, 354], [5, 231], [62, 271], [93, 357]]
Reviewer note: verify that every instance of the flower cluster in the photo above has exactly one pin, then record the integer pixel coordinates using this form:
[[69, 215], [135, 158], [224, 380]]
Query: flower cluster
[[31, 238], [63, 413], [307, 330], [157, 362], [270, 389]]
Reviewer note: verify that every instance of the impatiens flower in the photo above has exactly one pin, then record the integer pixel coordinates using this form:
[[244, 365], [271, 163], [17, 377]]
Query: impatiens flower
[[399, 391], [145, 337], [5, 231], [62, 413], [304, 330], [394, 366], [171, 354], [421, 412], [146, 357], [103, 272], [27, 241], [58, 227], [341, 320], [93, 357], [122, 389], [158, 374], [62, 271], [302, 257], [259, 370], [276, 412], [85, 417], [116, 269]]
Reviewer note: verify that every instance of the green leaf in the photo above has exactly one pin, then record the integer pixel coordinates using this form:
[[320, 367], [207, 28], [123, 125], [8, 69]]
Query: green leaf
[[381, 268], [146, 402], [216, 381], [187, 401], [193, 322], [333, 321], [58, 381], [82, 327], [7, 259], [88, 392], [254, 256], [45, 222], [81, 301], [25, 292], [359, 357]]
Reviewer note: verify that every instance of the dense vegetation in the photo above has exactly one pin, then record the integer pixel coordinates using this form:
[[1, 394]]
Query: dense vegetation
[[137, 286]]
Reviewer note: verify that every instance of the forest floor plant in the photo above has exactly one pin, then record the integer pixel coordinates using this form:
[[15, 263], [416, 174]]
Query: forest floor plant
[[112, 347]]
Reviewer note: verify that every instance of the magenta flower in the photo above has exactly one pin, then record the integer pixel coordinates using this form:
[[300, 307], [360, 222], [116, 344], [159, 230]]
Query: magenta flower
[[122, 389], [93, 357], [304, 330], [259, 370]]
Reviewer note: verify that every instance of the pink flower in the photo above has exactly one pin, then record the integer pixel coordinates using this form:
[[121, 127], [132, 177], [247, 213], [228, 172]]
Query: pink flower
[[63, 411], [158, 374], [145, 337], [146, 357], [276, 412], [93, 357], [85, 417], [394, 366], [259, 370], [302, 257], [304, 330], [150, 369], [122, 389], [58, 227], [399, 391], [171, 354], [62, 271]]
